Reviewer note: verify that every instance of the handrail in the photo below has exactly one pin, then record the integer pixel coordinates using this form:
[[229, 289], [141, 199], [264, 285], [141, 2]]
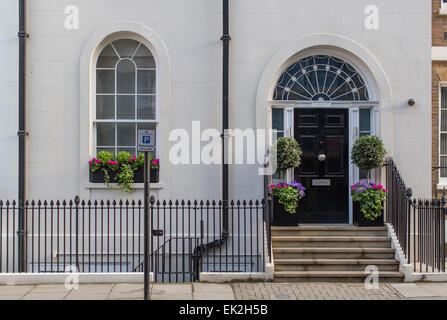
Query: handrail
[[419, 224]]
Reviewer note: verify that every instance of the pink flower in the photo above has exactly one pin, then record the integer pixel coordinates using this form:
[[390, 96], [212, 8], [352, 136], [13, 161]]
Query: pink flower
[[272, 187], [90, 162], [110, 161], [385, 190], [380, 186], [94, 159], [134, 158]]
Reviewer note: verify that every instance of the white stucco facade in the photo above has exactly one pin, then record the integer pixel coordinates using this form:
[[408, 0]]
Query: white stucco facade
[[184, 37]]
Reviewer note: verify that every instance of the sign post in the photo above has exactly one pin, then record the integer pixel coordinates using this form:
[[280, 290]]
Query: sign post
[[146, 144]]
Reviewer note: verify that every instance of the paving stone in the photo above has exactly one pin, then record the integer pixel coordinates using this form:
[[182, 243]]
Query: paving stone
[[90, 292], [171, 292], [127, 291], [47, 292], [437, 289], [14, 292], [412, 290], [211, 291]]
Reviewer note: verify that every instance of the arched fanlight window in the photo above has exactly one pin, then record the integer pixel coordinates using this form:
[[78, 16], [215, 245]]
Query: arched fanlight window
[[125, 95], [321, 78]]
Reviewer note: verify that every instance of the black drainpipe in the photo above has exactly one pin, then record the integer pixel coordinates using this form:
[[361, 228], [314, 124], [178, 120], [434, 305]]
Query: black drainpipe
[[198, 251], [21, 232]]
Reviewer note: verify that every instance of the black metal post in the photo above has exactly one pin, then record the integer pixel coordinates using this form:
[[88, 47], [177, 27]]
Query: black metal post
[[77, 201], [225, 107], [146, 226], [21, 232]]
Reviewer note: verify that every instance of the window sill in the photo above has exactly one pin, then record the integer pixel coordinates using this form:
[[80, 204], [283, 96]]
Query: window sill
[[441, 186], [443, 11], [136, 186]]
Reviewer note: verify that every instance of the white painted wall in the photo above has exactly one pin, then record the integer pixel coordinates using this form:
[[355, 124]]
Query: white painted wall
[[190, 30], [9, 52]]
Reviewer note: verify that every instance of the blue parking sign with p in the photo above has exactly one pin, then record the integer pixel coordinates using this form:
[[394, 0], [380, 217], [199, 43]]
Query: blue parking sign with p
[[146, 140]]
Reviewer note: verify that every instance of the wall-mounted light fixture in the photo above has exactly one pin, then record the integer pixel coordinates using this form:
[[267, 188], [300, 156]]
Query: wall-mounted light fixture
[[411, 102]]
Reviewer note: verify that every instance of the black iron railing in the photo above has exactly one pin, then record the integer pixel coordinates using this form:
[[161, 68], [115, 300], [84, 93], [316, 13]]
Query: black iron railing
[[419, 224], [107, 236]]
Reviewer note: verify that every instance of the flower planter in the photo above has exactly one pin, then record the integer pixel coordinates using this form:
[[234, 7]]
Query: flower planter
[[361, 221], [281, 217], [98, 176], [155, 175]]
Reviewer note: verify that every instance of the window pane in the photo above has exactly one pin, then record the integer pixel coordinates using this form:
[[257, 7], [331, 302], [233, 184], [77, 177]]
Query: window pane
[[126, 134], [363, 174], [111, 150], [443, 143], [126, 47], [365, 120], [125, 107], [132, 151], [146, 107], [108, 58], [125, 77], [105, 134], [444, 98], [146, 81], [105, 107], [105, 81], [443, 162], [147, 126], [443, 120], [278, 119], [143, 58]]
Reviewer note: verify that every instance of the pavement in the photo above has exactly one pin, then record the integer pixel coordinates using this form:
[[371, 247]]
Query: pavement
[[235, 291]]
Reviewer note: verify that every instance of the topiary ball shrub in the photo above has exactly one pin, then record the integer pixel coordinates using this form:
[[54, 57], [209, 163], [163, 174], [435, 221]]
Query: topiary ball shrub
[[287, 153], [368, 152]]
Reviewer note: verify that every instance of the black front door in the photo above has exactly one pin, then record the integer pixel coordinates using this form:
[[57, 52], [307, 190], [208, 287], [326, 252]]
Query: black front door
[[323, 137]]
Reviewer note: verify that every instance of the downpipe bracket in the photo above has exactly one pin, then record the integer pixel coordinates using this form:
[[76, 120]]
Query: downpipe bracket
[[22, 34]]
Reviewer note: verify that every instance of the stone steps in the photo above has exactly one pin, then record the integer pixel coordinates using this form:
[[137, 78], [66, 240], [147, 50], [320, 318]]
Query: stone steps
[[327, 241], [335, 276], [333, 253], [332, 230], [335, 264]]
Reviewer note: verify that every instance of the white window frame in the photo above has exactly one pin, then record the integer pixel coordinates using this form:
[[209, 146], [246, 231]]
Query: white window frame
[[442, 181], [95, 121], [443, 9]]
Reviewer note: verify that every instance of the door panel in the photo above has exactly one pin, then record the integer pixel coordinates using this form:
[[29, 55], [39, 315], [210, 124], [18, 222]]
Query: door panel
[[324, 133]]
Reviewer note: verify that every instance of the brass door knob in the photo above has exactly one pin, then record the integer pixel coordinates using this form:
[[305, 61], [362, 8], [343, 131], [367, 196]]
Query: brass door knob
[[321, 157]]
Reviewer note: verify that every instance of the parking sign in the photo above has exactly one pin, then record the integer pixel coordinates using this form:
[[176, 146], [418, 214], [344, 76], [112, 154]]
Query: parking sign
[[146, 140]]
